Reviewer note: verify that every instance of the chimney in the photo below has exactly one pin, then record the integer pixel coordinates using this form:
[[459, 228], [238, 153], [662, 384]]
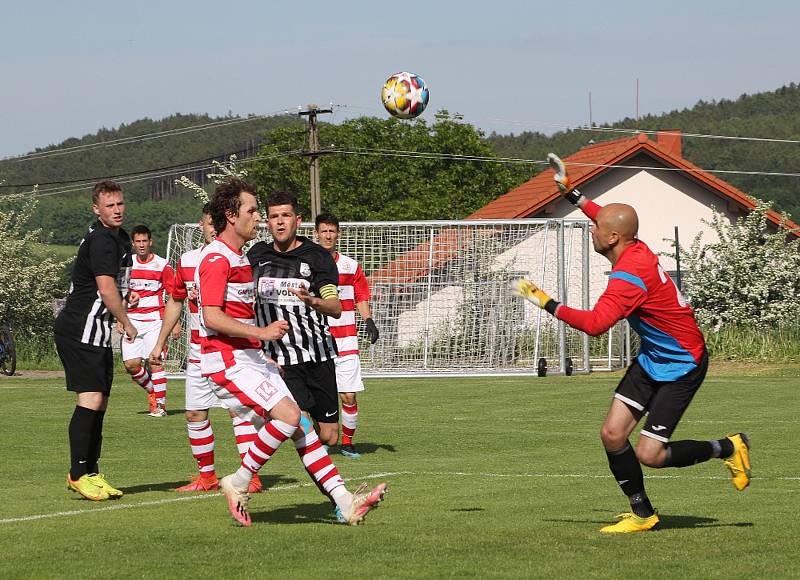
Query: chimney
[[670, 141]]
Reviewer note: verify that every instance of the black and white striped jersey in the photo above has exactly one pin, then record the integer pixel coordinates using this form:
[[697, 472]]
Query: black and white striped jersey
[[308, 339], [102, 252]]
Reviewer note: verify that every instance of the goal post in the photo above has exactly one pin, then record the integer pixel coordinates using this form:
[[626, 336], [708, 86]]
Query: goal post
[[441, 295]]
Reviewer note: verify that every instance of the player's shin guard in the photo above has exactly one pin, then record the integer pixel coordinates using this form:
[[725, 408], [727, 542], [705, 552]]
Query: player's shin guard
[[628, 472], [266, 443], [349, 423], [159, 378], [685, 453], [142, 378], [201, 440]]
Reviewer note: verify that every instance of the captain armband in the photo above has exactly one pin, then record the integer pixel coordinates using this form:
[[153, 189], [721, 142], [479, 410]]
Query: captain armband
[[328, 291]]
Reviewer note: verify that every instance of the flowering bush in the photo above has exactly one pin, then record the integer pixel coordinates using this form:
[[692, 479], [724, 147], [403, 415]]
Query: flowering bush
[[224, 171], [749, 277], [29, 280]]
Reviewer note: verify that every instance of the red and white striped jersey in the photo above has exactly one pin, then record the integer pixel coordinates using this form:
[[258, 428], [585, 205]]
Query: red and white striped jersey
[[150, 279], [224, 278], [353, 288], [184, 285]]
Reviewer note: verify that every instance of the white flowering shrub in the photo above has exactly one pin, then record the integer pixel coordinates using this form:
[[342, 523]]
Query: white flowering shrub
[[29, 278], [750, 277], [223, 171]]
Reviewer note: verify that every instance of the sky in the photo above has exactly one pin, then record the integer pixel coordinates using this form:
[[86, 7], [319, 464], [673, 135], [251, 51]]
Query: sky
[[68, 69]]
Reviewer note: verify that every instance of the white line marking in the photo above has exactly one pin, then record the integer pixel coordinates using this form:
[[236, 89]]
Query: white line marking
[[121, 506]]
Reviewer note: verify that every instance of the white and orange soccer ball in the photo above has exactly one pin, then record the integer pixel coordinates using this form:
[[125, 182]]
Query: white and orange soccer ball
[[405, 95]]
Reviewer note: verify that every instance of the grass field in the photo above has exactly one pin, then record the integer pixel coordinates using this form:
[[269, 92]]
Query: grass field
[[500, 477]]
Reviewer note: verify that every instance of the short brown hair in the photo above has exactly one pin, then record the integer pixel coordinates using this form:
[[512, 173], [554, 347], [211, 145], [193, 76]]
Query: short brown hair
[[104, 186], [226, 199], [283, 198]]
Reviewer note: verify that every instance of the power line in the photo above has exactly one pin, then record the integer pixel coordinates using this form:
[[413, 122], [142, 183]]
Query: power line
[[142, 138], [513, 160], [144, 176]]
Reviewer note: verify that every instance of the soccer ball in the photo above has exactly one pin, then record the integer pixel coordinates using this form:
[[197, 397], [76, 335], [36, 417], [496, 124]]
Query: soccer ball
[[405, 95]]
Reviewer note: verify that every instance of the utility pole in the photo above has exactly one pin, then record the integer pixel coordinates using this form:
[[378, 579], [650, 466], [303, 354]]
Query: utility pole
[[313, 152]]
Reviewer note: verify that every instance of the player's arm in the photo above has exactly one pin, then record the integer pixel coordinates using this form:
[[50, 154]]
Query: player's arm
[[172, 316], [215, 319], [109, 294], [325, 279], [619, 300], [326, 303], [362, 295]]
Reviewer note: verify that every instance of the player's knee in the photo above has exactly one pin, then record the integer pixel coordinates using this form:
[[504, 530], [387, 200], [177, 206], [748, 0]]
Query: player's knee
[[612, 437], [348, 398], [133, 366], [329, 436], [649, 454], [195, 416]]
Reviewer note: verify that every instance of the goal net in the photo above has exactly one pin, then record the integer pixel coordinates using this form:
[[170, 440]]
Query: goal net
[[441, 295]]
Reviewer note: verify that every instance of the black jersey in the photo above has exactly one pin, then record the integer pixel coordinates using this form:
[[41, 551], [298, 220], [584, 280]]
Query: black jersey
[[102, 252], [308, 339]]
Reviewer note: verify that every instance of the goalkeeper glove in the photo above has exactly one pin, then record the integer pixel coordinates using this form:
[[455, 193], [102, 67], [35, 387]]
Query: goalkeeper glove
[[562, 179], [532, 293], [372, 330]]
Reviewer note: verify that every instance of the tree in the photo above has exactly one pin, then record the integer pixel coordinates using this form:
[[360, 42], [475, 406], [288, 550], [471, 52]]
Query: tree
[[29, 281], [749, 277], [366, 178]]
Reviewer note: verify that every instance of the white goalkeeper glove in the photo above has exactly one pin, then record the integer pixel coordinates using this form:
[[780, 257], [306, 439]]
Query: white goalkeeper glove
[[532, 293], [562, 179]]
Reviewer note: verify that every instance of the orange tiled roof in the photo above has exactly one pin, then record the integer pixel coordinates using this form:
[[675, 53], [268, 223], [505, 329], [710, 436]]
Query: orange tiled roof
[[533, 195]]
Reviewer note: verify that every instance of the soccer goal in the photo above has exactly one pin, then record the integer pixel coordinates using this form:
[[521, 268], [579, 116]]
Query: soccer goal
[[441, 295]]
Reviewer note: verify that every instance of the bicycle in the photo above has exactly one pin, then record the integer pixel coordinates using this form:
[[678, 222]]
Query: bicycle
[[8, 352]]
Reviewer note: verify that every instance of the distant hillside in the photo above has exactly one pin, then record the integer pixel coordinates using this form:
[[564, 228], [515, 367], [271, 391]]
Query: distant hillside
[[67, 215], [774, 115]]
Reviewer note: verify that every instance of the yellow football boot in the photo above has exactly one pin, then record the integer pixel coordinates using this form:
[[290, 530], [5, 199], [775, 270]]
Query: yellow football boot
[[630, 522], [739, 462], [87, 488], [100, 481]]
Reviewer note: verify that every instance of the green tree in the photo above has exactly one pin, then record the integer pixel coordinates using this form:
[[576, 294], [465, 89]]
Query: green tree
[[362, 179]]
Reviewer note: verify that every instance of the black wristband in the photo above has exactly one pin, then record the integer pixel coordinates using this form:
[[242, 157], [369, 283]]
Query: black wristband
[[573, 197], [551, 306]]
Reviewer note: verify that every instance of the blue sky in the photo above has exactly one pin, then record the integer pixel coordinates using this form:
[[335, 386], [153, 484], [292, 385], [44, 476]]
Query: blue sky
[[507, 66]]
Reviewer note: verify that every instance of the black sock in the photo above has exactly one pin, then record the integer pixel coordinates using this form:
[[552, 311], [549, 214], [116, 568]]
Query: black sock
[[96, 443], [628, 472], [626, 469], [725, 448], [80, 437], [641, 506], [685, 453]]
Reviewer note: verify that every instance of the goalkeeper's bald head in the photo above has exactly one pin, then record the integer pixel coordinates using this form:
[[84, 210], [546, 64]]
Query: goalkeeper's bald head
[[620, 218]]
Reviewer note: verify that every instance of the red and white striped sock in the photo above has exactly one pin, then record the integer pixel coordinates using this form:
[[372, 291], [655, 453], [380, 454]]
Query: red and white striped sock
[[318, 463], [266, 443], [245, 433], [160, 387], [349, 423], [142, 378], [201, 439]]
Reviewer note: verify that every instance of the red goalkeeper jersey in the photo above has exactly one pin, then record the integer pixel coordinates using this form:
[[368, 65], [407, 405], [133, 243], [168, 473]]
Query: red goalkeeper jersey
[[639, 290]]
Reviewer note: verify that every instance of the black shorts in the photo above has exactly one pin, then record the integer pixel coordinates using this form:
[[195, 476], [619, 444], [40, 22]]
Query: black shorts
[[665, 402], [313, 386], [89, 369]]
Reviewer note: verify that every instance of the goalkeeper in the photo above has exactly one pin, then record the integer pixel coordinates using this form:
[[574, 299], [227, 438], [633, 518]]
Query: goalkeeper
[[667, 372]]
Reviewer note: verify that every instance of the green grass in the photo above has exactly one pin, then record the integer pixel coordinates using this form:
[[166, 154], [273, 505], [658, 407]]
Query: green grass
[[489, 477]]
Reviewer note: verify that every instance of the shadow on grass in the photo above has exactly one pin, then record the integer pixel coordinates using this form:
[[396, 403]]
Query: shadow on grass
[[668, 522], [467, 509], [364, 448], [268, 481], [170, 412], [306, 513]]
